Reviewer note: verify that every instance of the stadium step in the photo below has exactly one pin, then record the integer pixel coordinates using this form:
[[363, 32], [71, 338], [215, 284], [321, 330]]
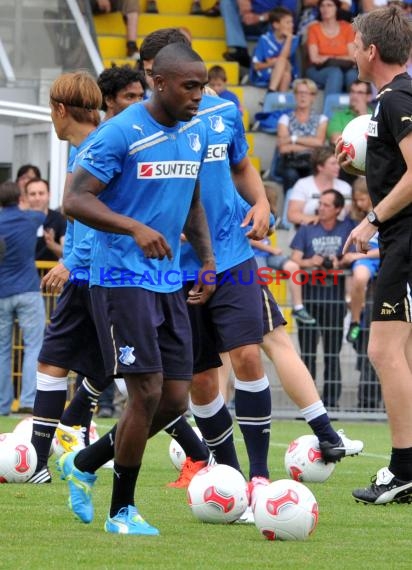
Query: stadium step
[[199, 26], [178, 6], [114, 46]]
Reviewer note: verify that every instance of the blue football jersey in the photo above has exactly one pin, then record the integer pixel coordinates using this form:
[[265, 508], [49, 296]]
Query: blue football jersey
[[226, 145], [73, 256], [150, 171]]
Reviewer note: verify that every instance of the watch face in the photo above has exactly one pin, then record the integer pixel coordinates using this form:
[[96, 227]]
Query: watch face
[[372, 218]]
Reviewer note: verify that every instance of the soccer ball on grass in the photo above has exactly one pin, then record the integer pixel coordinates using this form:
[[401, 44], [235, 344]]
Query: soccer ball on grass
[[218, 494], [304, 463], [285, 510], [18, 459]]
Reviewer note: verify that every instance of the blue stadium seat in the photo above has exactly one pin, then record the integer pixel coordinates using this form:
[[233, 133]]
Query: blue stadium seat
[[278, 101], [274, 105], [335, 102]]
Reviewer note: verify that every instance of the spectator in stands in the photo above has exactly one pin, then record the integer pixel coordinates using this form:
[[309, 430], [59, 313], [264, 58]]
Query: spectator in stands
[[218, 82], [365, 265], [245, 18], [130, 12], [360, 94], [330, 50], [19, 296], [24, 174], [309, 13], [318, 247], [299, 133], [50, 236], [274, 62], [304, 197], [273, 257]]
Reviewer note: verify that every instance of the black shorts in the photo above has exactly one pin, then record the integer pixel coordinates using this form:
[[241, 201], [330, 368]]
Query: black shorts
[[272, 317], [143, 332], [71, 340], [393, 296], [233, 317]]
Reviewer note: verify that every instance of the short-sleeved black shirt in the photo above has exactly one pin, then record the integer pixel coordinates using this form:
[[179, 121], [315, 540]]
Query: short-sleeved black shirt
[[391, 121], [57, 222]]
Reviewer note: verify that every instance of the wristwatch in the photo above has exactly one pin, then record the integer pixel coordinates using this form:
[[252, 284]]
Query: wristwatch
[[373, 219]]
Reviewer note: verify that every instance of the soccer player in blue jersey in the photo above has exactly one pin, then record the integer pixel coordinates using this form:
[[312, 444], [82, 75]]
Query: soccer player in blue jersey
[[137, 185], [71, 339], [75, 99]]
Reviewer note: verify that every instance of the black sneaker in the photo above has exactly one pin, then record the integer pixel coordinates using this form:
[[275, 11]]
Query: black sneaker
[[238, 54], [303, 317], [196, 9], [40, 477], [345, 447], [385, 489], [151, 7]]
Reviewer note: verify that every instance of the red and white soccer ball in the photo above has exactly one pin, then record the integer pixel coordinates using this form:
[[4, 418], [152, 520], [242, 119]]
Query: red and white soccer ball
[[354, 137], [218, 494], [176, 453], [286, 510], [304, 463], [18, 459]]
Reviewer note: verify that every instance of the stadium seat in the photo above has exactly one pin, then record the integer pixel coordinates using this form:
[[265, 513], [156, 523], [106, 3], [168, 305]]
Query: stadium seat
[[278, 101], [274, 105], [335, 102]]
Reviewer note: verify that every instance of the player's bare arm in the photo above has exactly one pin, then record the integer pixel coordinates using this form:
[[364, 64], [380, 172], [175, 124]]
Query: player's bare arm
[[82, 203], [250, 187], [197, 233]]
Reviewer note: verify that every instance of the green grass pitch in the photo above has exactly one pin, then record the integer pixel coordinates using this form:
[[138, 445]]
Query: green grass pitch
[[38, 531]]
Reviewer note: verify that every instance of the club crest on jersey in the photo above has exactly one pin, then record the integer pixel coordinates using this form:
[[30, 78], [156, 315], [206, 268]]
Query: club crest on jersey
[[194, 141], [217, 124], [126, 355]]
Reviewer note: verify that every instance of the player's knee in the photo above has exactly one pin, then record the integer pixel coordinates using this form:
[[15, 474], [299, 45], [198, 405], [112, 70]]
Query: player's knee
[[247, 362], [205, 387]]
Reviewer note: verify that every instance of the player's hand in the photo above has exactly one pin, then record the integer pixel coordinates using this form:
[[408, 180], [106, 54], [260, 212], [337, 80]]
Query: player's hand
[[201, 291], [55, 279], [152, 242], [360, 237], [258, 215], [345, 160], [49, 237]]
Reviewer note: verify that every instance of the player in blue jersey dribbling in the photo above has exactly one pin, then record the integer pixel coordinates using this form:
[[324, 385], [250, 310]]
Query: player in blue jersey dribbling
[[138, 186]]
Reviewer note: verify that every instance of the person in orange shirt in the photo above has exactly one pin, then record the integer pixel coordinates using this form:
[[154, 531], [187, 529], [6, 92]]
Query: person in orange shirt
[[330, 50]]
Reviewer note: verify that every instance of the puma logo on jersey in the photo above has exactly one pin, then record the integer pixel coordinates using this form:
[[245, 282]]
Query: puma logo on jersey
[[406, 118], [388, 309]]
